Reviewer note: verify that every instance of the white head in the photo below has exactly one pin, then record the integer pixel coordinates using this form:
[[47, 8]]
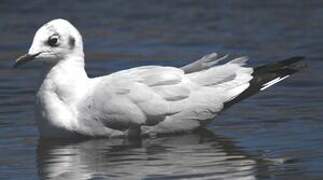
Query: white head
[[54, 41]]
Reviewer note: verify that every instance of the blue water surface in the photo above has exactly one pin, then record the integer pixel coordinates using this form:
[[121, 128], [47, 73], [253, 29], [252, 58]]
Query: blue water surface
[[277, 134]]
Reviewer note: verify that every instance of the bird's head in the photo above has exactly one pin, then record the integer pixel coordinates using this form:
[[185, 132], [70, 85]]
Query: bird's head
[[54, 41]]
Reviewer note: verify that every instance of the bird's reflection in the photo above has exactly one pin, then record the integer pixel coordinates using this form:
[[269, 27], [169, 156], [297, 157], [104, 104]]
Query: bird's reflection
[[198, 155]]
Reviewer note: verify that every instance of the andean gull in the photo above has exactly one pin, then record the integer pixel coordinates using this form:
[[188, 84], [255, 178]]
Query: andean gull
[[148, 100]]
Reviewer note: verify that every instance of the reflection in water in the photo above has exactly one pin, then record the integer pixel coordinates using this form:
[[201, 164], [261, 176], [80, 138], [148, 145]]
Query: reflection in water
[[200, 155]]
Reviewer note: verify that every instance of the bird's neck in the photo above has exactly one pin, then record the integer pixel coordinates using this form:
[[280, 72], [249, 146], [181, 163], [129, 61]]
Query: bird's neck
[[62, 87], [67, 79]]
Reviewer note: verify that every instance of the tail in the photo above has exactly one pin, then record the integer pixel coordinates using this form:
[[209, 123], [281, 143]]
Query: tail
[[268, 75]]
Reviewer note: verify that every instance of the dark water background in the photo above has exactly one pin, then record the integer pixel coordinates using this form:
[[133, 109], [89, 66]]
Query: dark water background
[[277, 134]]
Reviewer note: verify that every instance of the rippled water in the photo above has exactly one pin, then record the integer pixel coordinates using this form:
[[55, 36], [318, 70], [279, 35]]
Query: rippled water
[[187, 156], [277, 134]]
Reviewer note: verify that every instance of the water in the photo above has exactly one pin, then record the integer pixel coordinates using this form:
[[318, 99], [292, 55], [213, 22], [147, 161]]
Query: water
[[274, 135]]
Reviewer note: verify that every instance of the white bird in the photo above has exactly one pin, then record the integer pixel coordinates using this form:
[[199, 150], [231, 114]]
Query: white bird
[[148, 100]]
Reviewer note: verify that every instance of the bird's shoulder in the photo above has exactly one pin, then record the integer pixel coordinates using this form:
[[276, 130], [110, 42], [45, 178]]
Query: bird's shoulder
[[150, 75], [143, 83]]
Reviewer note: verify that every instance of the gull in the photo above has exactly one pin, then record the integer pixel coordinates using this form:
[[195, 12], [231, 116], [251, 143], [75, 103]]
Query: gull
[[141, 101]]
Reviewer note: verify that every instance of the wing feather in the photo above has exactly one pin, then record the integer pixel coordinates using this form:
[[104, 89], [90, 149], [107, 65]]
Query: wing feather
[[166, 99], [145, 93]]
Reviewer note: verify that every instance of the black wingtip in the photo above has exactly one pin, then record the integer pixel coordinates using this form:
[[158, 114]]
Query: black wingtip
[[292, 65], [292, 61], [266, 73], [297, 62]]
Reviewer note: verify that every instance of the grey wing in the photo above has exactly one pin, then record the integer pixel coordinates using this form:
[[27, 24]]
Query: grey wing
[[203, 63], [139, 96], [217, 84], [165, 99]]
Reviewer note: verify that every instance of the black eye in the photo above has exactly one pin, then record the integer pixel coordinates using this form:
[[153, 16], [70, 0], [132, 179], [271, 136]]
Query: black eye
[[53, 41]]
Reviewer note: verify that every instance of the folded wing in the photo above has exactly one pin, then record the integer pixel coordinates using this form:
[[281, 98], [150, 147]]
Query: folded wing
[[138, 96], [165, 99]]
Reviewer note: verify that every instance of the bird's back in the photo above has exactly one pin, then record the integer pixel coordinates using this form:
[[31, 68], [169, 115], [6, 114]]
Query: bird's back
[[163, 99]]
